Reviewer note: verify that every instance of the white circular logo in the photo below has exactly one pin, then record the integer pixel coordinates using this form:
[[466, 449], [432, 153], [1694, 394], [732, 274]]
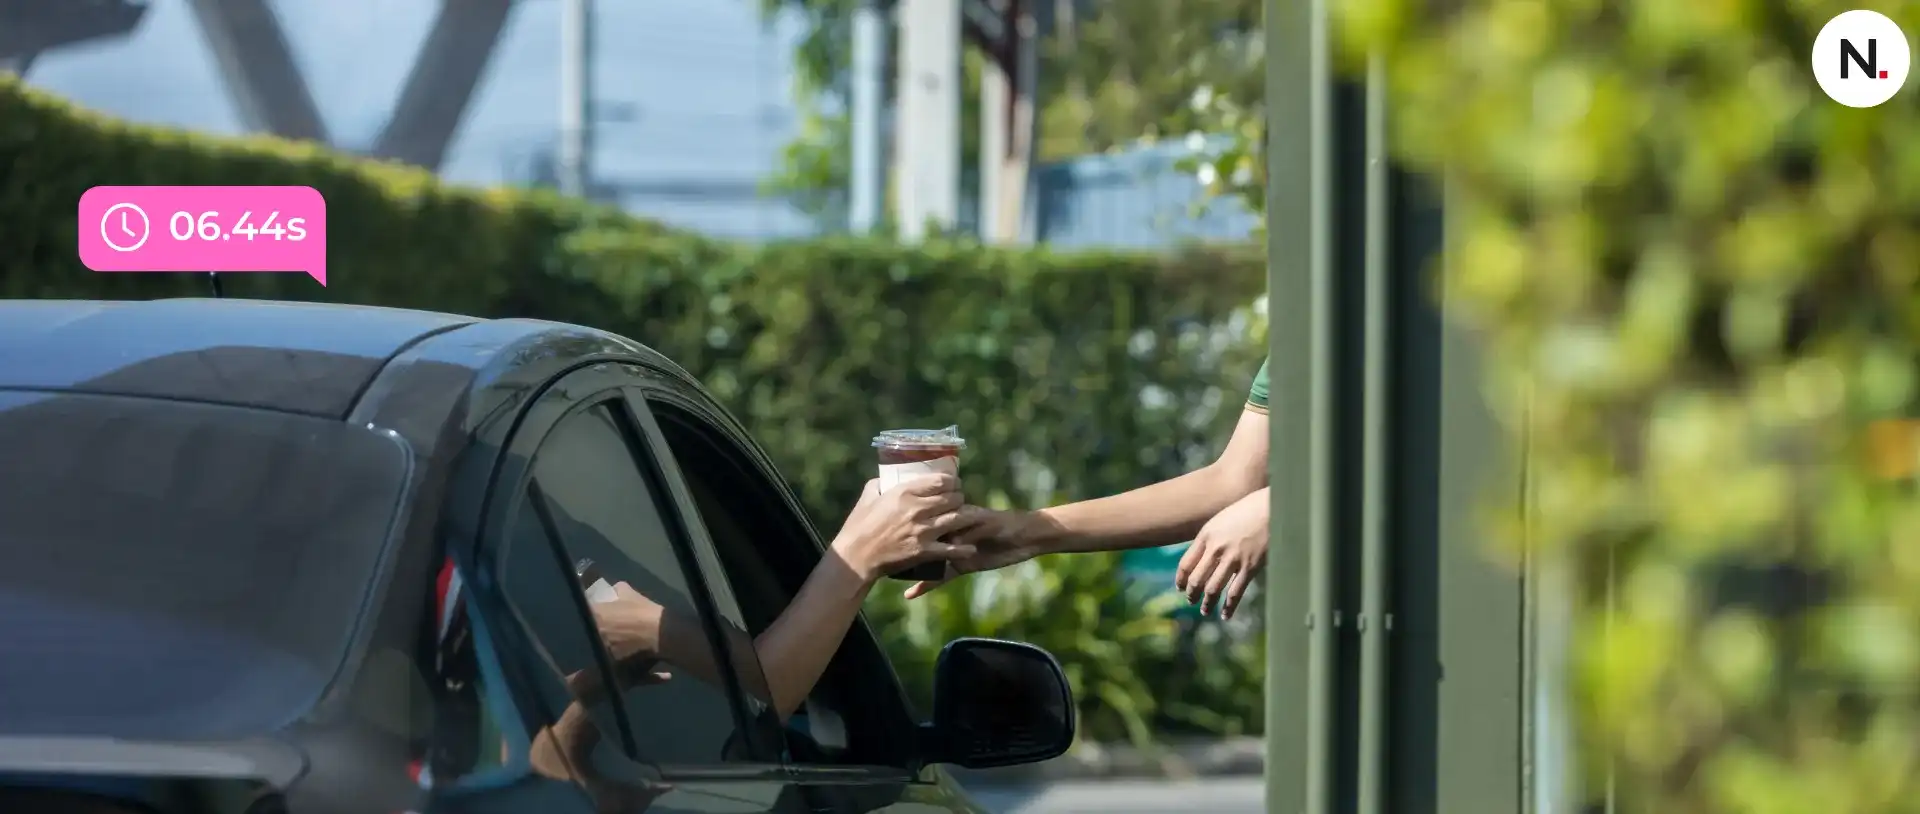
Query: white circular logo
[[1861, 58], [124, 227]]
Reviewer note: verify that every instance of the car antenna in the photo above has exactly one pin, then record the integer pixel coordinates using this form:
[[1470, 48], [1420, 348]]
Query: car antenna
[[214, 278]]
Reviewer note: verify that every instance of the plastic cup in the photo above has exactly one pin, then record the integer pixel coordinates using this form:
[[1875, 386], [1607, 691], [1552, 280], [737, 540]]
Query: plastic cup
[[906, 454], [593, 583]]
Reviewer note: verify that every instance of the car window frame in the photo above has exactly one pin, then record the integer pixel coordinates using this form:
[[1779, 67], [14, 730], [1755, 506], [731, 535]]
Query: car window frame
[[898, 715], [567, 396]]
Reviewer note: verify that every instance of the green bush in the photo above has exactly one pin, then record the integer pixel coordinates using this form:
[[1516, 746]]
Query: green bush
[[1071, 374]]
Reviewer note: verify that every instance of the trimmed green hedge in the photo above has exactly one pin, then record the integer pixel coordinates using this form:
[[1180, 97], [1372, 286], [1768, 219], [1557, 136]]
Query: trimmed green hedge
[[1110, 370]]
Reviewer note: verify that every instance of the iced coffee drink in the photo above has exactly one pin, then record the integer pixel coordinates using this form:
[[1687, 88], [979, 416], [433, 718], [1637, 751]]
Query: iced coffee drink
[[906, 454]]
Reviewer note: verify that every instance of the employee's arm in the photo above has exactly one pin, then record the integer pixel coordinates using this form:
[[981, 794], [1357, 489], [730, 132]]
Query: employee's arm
[[1163, 513]]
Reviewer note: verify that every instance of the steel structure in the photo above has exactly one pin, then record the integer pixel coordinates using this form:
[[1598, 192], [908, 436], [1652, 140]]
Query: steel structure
[[1402, 665], [29, 28], [267, 87], [265, 83]]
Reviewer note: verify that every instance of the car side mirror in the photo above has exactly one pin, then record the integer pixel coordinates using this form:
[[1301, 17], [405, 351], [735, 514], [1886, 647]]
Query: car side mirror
[[998, 703]]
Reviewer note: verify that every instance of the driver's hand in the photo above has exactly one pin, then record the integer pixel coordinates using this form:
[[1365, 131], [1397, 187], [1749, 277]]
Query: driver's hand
[[629, 624], [905, 526]]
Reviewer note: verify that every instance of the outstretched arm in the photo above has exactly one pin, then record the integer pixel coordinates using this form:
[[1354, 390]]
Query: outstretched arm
[[1160, 514], [792, 653], [1163, 513], [882, 535]]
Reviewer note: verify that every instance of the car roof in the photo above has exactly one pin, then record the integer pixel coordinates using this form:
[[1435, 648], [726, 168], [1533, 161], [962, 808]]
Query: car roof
[[308, 358]]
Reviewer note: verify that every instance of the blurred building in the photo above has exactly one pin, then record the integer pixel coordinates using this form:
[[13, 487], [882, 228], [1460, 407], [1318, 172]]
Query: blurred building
[[693, 95], [1138, 199], [692, 103]]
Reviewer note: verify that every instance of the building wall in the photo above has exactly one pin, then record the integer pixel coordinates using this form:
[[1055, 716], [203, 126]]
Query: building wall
[[1139, 199]]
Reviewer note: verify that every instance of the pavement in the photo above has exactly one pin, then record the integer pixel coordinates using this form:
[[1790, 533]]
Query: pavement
[[1217, 795]]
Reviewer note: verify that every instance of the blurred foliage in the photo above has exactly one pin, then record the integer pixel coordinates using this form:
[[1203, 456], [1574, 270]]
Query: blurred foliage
[[816, 166], [1694, 276], [1136, 672], [1111, 75], [1121, 72], [1072, 375], [1231, 161]]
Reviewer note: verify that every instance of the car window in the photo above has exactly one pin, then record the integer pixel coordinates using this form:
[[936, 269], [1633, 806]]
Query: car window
[[535, 583], [134, 532], [589, 499], [767, 552]]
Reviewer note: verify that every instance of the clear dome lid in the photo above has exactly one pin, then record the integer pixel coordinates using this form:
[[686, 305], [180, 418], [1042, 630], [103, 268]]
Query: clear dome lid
[[947, 437]]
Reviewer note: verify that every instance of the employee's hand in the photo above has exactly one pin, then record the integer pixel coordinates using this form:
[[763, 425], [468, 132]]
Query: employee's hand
[[1230, 549], [997, 539], [904, 527]]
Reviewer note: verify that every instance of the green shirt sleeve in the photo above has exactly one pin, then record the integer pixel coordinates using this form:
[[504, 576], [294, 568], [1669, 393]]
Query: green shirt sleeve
[[1257, 395]]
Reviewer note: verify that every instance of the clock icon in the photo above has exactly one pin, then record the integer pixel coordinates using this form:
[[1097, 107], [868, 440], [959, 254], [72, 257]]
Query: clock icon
[[124, 227]]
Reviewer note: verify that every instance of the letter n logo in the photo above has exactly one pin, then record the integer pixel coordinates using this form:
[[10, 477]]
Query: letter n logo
[[1850, 58], [1861, 45]]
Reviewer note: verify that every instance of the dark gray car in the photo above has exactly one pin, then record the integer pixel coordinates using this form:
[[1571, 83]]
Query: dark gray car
[[267, 556]]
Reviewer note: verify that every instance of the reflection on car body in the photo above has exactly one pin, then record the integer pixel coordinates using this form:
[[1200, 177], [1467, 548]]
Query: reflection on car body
[[227, 531]]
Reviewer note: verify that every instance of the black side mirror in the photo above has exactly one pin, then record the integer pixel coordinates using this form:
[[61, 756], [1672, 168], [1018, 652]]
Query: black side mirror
[[998, 703]]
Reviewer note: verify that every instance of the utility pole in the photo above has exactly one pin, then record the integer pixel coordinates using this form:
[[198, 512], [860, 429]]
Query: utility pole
[[927, 124], [996, 127], [574, 161], [1024, 208], [869, 173], [1009, 130]]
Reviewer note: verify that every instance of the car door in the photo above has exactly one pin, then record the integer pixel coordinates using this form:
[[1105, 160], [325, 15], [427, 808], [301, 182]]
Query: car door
[[851, 748], [578, 482]]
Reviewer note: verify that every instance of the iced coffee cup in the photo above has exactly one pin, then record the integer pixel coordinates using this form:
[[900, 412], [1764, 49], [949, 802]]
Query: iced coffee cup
[[906, 454]]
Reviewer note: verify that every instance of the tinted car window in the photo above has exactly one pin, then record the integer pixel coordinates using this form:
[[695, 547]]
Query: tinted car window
[[221, 554], [767, 553], [603, 508], [537, 583]]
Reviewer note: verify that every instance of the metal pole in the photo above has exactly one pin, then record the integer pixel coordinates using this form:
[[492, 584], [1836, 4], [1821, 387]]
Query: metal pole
[[1027, 93], [996, 109], [257, 68], [1320, 534], [1375, 452], [869, 175], [927, 117], [1299, 279], [439, 89], [575, 155]]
